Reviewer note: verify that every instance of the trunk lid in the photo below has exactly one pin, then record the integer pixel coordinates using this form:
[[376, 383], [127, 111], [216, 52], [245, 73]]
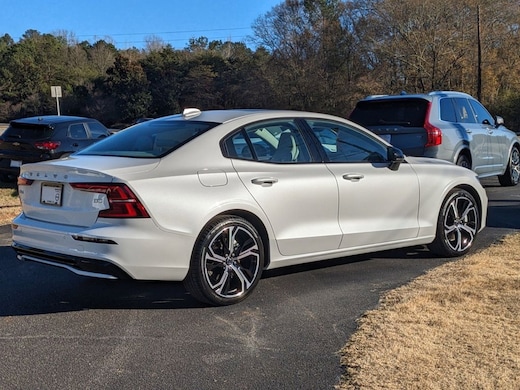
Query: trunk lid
[[47, 195]]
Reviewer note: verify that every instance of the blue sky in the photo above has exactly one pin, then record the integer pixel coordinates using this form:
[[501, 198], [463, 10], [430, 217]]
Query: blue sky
[[129, 22]]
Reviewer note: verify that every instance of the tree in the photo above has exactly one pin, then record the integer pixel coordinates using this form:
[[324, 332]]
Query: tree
[[312, 53], [128, 84]]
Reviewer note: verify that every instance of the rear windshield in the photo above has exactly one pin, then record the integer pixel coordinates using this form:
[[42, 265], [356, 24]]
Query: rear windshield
[[402, 112], [148, 139], [27, 131]]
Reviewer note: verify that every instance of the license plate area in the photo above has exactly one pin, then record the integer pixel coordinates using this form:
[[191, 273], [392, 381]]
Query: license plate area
[[16, 164], [51, 194]]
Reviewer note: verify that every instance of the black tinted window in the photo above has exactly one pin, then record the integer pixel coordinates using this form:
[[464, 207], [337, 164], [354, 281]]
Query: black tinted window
[[27, 131], [448, 110], [149, 139], [403, 112]]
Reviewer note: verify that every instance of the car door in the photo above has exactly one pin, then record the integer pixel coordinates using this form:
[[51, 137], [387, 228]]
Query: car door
[[299, 197], [498, 143], [478, 136], [377, 205]]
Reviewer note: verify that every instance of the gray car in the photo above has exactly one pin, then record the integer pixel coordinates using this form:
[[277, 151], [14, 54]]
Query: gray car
[[448, 125]]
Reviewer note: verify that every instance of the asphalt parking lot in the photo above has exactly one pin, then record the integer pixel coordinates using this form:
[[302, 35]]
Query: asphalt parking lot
[[59, 330]]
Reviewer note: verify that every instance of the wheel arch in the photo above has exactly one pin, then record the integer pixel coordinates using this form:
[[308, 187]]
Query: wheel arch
[[464, 152], [256, 222]]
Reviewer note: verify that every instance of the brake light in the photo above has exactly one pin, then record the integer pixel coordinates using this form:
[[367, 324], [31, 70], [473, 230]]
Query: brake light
[[47, 145], [123, 202], [22, 181], [433, 133]]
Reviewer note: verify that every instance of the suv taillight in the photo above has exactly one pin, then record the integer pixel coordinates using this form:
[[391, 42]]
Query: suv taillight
[[433, 134], [47, 145], [123, 202]]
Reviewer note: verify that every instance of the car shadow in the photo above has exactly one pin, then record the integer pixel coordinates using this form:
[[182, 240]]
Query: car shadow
[[32, 289]]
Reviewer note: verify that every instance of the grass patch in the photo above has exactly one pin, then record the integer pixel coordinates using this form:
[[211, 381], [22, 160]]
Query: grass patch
[[9, 202], [457, 327]]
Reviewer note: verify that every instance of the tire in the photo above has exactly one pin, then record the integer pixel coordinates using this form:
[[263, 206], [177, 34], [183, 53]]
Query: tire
[[227, 262], [463, 161], [457, 224], [512, 175]]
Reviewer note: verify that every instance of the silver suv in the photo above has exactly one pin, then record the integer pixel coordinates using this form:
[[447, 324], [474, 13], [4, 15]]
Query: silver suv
[[448, 125]]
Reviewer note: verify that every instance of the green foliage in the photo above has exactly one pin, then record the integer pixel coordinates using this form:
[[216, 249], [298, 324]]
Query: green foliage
[[318, 55]]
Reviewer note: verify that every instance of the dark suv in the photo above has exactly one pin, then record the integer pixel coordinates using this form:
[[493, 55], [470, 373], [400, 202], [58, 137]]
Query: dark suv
[[448, 125], [43, 138]]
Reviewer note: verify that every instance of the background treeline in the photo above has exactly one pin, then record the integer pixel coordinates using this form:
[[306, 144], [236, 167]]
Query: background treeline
[[319, 55]]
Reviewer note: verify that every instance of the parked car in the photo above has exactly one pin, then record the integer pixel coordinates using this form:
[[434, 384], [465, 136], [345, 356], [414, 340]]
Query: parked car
[[43, 138], [214, 198], [452, 126]]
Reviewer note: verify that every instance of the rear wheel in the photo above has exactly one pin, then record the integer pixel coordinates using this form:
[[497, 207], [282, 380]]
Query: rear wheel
[[463, 161], [457, 225], [512, 175], [227, 262]]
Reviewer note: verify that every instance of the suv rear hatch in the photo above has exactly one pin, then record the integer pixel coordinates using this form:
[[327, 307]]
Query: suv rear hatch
[[400, 121], [20, 141]]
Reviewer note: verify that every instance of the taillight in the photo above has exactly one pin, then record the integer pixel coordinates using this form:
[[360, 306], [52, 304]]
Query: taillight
[[47, 145], [22, 181], [123, 202], [433, 134]]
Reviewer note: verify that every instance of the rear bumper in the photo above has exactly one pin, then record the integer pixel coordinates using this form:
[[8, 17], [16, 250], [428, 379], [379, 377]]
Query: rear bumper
[[134, 248], [79, 265]]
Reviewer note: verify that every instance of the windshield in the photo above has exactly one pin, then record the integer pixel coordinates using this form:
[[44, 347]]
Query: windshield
[[150, 139], [401, 112]]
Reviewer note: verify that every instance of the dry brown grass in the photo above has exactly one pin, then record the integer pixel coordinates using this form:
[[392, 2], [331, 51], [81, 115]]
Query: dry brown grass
[[457, 327], [9, 203]]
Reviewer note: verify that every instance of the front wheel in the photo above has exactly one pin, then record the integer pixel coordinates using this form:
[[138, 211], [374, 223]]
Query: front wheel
[[512, 175], [227, 262], [457, 224]]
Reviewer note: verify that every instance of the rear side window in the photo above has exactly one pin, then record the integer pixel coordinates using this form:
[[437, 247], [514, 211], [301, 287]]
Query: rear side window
[[401, 112], [149, 139], [279, 141], [77, 131], [27, 131], [448, 110]]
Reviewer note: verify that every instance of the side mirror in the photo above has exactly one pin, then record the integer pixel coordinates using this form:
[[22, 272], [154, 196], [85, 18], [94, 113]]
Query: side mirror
[[499, 121], [395, 157]]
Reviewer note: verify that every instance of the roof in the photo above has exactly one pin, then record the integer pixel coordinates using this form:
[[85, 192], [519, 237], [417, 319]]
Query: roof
[[427, 96], [227, 115], [51, 119]]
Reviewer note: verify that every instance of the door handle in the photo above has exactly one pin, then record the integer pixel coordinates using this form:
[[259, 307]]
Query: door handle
[[264, 181], [353, 176]]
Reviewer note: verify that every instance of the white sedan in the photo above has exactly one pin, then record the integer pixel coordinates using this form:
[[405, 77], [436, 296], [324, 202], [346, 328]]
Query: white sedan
[[214, 198]]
